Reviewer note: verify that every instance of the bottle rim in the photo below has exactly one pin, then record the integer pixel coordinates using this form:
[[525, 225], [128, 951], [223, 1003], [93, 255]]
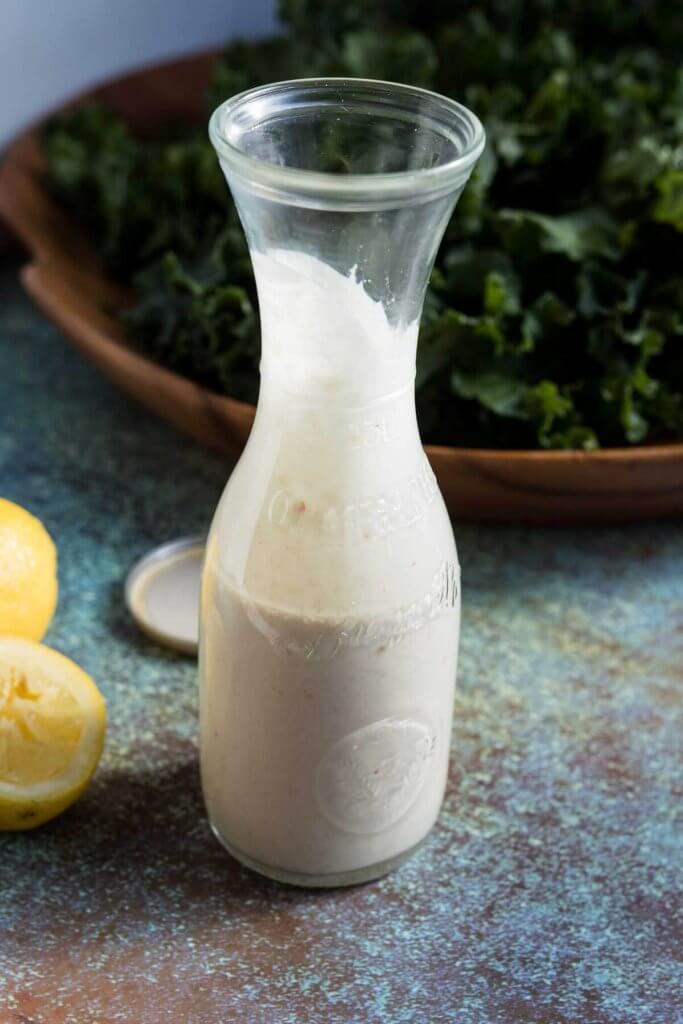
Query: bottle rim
[[232, 120]]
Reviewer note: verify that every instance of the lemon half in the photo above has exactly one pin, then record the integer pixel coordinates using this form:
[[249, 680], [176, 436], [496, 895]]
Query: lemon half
[[28, 573], [52, 725]]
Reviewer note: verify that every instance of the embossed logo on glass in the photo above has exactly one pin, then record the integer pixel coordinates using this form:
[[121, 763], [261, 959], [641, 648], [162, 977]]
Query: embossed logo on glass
[[369, 433], [378, 631], [371, 778], [371, 518]]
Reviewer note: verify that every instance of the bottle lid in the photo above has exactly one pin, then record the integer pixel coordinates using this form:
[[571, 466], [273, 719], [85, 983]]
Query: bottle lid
[[162, 593]]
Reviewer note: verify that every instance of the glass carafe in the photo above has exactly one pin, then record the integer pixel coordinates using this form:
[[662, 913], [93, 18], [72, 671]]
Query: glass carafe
[[330, 604]]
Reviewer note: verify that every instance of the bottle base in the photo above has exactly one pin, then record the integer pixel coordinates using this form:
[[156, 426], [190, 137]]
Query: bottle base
[[309, 881]]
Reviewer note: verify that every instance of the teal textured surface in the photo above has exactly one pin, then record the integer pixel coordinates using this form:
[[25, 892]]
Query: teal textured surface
[[550, 890]]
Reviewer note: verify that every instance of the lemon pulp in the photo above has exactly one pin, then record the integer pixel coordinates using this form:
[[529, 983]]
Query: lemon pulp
[[52, 724]]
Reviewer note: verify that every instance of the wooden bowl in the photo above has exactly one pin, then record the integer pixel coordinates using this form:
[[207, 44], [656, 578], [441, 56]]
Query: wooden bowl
[[64, 278]]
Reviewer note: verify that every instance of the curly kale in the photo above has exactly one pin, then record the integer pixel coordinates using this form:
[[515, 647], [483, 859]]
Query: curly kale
[[555, 313]]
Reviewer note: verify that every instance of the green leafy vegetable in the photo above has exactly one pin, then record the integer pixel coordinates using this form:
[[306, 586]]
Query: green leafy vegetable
[[555, 313]]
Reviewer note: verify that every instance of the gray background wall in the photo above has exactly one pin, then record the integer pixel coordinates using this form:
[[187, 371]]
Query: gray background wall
[[52, 49]]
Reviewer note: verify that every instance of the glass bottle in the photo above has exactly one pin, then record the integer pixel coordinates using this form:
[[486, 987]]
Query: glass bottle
[[330, 604]]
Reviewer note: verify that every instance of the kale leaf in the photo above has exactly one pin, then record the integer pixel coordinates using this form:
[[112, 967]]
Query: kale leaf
[[555, 313]]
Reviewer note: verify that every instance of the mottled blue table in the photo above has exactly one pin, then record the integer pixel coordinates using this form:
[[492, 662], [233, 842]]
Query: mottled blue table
[[549, 893]]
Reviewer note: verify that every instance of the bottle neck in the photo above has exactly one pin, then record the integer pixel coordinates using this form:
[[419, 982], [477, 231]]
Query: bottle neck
[[325, 339], [350, 425]]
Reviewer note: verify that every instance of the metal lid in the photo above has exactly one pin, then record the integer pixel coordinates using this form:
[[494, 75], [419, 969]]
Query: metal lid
[[162, 593]]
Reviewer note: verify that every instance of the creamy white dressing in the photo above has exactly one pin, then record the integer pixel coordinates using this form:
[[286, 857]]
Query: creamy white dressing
[[330, 597]]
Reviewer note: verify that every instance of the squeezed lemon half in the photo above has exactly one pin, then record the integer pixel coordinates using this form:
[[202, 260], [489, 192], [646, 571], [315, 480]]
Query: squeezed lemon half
[[52, 725], [28, 573]]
